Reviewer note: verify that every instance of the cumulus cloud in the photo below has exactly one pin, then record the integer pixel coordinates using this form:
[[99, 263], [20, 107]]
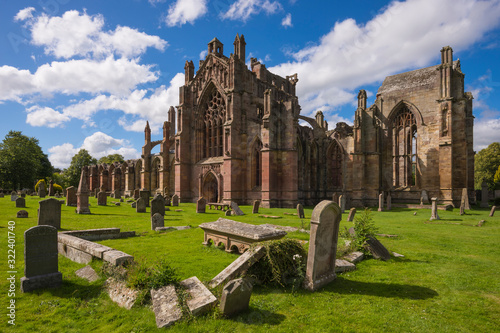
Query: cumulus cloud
[[243, 9], [287, 21], [486, 131], [203, 54], [45, 116], [98, 145], [24, 14], [184, 11], [405, 35]]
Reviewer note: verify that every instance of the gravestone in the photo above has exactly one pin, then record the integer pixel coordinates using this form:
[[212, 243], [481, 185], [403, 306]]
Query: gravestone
[[140, 205], [117, 194], [136, 194], [492, 212], [335, 197], [158, 205], [167, 200], [157, 221], [434, 213], [352, 212], [236, 209], [255, 208], [381, 202], [2, 195], [462, 209], [484, 195], [82, 195], [342, 200], [325, 221], [102, 198], [377, 249], [13, 196], [145, 196], [96, 192], [22, 214], [49, 212], [424, 198], [51, 188], [71, 196], [389, 201], [165, 306], [465, 198], [300, 211], [57, 195], [175, 200], [227, 212], [20, 203], [201, 205], [42, 192], [235, 297], [40, 258]]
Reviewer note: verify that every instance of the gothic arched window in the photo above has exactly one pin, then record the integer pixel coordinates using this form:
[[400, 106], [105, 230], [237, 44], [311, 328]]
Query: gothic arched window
[[335, 159], [404, 148], [209, 126], [256, 164]]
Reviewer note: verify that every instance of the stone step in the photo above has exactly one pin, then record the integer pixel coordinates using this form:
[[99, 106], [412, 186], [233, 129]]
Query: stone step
[[165, 306], [201, 298]]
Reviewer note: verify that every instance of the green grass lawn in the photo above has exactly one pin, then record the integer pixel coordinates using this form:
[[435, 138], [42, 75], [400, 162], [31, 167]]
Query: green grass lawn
[[448, 281]]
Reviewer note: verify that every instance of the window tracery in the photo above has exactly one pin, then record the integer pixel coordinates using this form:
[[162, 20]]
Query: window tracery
[[404, 153]]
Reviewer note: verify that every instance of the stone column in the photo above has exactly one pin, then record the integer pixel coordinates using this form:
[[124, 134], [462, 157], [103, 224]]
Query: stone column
[[434, 214], [381, 202]]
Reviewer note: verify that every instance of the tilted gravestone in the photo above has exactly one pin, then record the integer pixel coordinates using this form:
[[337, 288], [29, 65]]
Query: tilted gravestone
[[13, 196], [465, 198], [434, 212], [82, 195], [158, 205], [352, 212], [255, 207], [462, 207], [342, 202], [236, 209], [71, 196], [389, 201], [201, 205], [136, 194], [300, 211], [51, 188], [492, 212], [117, 194], [102, 198], [145, 196], [484, 195], [381, 202], [175, 200], [40, 259], [49, 212], [325, 221], [157, 221], [42, 192], [235, 296], [20, 203], [140, 205], [167, 200]]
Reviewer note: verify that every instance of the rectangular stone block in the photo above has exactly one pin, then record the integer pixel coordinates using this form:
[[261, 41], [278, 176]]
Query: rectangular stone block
[[165, 306], [53, 280], [95, 234], [89, 247], [343, 266], [201, 298], [74, 254], [117, 258]]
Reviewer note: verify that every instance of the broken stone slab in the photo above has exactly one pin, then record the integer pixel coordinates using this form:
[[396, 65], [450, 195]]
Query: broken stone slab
[[377, 250], [73, 254], [236, 209], [235, 296], [120, 294], [201, 299], [354, 257], [87, 273], [117, 258], [239, 266], [89, 247], [183, 227], [165, 306], [269, 216], [95, 234], [343, 266]]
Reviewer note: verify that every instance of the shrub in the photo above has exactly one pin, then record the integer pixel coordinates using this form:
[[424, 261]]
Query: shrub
[[364, 228], [284, 264], [38, 184], [57, 188]]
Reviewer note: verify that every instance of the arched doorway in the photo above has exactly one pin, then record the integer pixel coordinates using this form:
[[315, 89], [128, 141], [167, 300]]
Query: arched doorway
[[210, 188]]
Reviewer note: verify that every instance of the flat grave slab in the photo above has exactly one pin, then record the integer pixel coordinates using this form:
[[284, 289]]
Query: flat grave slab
[[165, 306], [201, 298], [237, 235]]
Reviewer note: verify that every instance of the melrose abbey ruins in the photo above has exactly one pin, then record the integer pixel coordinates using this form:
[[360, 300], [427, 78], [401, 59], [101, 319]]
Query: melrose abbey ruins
[[235, 136]]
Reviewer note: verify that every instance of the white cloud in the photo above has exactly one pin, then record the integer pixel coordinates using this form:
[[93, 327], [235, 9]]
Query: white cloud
[[243, 9], [203, 54], [75, 34], [405, 35], [98, 145], [45, 116], [287, 21], [24, 14], [486, 131], [184, 11]]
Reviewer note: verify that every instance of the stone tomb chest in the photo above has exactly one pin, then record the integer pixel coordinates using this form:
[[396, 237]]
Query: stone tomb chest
[[237, 236]]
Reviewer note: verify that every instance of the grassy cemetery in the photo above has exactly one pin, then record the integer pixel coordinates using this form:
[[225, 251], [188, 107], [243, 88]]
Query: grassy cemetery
[[447, 280]]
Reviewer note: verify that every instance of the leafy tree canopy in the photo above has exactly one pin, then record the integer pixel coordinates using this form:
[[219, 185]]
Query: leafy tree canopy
[[81, 159], [22, 161], [111, 159], [486, 163]]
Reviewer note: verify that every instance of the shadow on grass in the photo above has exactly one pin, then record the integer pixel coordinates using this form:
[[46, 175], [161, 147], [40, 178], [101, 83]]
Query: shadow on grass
[[100, 214], [70, 289], [255, 316]]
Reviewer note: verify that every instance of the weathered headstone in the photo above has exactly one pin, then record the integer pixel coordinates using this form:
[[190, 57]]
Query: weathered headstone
[[201, 299], [389, 201], [201, 205], [167, 200], [335, 197], [342, 201], [49, 212], [20, 203], [484, 195], [42, 192], [82, 195], [434, 213], [376, 248], [57, 195], [87, 273], [136, 194], [51, 188], [381, 202], [236, 209], [175, 200], [465, 198], [352, 212], [157, 221], [255, 208], [145, 196], [22, 214], [235, 296], [424, 197], [492, 212], [13, 196], [117, 194], [462, 209], [2, 195], [71, 196], [300, 211], [40, 258], [102, 198], [158, 205], [140, 205], [325, 221]]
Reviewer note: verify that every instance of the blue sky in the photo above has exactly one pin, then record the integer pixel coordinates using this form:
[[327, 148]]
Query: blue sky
[[88, 74]]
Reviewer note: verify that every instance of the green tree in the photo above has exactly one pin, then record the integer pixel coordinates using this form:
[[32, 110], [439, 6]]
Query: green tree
[[111, 158], [486, 163], [22, 161], [496, 179], [81, 159]]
